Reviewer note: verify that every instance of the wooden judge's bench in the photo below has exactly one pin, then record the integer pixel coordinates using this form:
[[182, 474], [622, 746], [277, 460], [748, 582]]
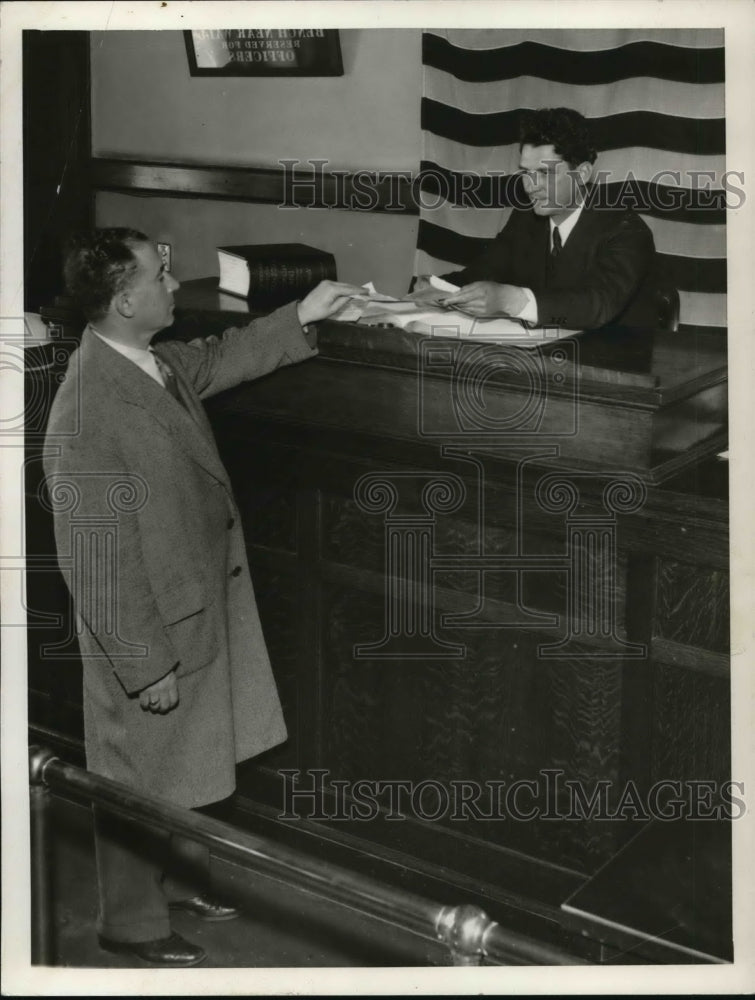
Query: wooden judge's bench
[[493, 581]]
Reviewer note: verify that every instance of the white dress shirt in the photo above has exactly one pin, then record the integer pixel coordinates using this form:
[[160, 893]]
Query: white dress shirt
[[144, 358], [529, 311]]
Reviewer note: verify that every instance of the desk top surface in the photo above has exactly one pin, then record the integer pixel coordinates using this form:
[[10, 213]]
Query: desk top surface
[[643, 363]]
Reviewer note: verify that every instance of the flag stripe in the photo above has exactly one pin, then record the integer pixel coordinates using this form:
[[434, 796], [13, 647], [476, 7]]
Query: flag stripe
[[688, 273], [640, 93], [693, 274], [673, 203], [644, 163], [686, 238], [701, 136], [670, 237], [700, 309], [584, 39], [467, 221], [665, 62]]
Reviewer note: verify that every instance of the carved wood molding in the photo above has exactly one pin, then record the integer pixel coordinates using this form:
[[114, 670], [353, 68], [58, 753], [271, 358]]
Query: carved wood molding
[[297, 184], [690, 657]]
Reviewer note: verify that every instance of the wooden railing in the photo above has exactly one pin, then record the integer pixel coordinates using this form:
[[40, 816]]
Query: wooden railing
[[469, 935]]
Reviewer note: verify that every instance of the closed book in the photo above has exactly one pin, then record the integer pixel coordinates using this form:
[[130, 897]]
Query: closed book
[[271, 272]]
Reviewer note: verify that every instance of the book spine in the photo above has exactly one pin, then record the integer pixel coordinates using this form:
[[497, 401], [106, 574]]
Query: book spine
[[291, 278]]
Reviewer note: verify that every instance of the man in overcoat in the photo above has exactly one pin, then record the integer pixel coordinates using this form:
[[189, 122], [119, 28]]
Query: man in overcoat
[[177, 682]]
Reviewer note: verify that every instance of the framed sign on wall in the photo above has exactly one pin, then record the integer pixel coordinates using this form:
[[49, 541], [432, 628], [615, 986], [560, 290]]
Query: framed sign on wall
[[264, 52]]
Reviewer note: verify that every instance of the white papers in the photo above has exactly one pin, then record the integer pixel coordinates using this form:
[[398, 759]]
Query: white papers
[[374, 309], [373, 295], [442, 285]]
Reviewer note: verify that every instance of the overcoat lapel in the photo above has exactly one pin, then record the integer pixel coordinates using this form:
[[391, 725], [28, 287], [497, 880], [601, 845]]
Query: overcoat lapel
[[117, 373]]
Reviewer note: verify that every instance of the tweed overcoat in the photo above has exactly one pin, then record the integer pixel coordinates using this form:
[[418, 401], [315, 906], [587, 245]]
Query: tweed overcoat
[[150, 542]]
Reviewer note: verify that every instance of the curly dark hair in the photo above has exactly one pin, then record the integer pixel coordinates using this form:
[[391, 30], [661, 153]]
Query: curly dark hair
[[99, 264], [567, 130]]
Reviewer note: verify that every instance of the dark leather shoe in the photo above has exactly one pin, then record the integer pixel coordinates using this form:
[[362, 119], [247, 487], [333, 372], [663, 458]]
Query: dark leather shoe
[[171, 952], [206, 908]]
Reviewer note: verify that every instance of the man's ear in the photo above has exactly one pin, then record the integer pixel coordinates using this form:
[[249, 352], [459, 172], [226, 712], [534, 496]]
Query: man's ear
[[122, 304], [584, 170]]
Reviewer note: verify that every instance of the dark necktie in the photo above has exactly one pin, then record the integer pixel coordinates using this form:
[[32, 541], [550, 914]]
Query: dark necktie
[[550, 262], [169, 378]]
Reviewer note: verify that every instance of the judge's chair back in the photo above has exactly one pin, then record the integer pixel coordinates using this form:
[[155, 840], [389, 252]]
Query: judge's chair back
[[667, 307]]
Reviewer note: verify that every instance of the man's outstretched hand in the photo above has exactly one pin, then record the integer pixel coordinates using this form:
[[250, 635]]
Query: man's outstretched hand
[[325, 299], [162, 696]]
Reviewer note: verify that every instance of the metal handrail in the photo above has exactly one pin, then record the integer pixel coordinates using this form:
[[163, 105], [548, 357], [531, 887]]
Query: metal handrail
[[467, 932]]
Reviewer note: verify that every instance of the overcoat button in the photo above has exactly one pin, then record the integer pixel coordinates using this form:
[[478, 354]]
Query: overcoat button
[[236, 571], [231, 522]]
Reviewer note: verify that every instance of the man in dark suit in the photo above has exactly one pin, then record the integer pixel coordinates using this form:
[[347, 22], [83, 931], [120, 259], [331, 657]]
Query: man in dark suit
[[561, 261], [177, 682]]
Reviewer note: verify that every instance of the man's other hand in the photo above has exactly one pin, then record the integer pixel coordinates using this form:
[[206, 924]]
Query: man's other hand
[[425, 294], [162, 696], [488, 298], [325, 299]]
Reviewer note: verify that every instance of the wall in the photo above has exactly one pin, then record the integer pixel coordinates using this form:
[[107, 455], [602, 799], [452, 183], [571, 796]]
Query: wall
[[145, 105], [373, 246]]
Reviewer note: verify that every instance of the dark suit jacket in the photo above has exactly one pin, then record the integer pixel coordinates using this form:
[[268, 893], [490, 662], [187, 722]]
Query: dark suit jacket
[[604, 273]]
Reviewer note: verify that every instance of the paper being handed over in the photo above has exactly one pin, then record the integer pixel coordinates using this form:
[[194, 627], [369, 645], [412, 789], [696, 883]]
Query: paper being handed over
[[374, 309]]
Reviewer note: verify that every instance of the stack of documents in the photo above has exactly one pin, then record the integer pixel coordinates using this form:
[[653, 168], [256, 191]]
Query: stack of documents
[[374, 309]]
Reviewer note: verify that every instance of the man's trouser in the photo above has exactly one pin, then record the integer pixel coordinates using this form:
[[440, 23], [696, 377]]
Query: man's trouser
[[139, 871]]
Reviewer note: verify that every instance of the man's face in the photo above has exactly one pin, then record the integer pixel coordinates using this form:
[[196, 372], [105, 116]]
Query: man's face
[[551, 184], [151, 291]]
